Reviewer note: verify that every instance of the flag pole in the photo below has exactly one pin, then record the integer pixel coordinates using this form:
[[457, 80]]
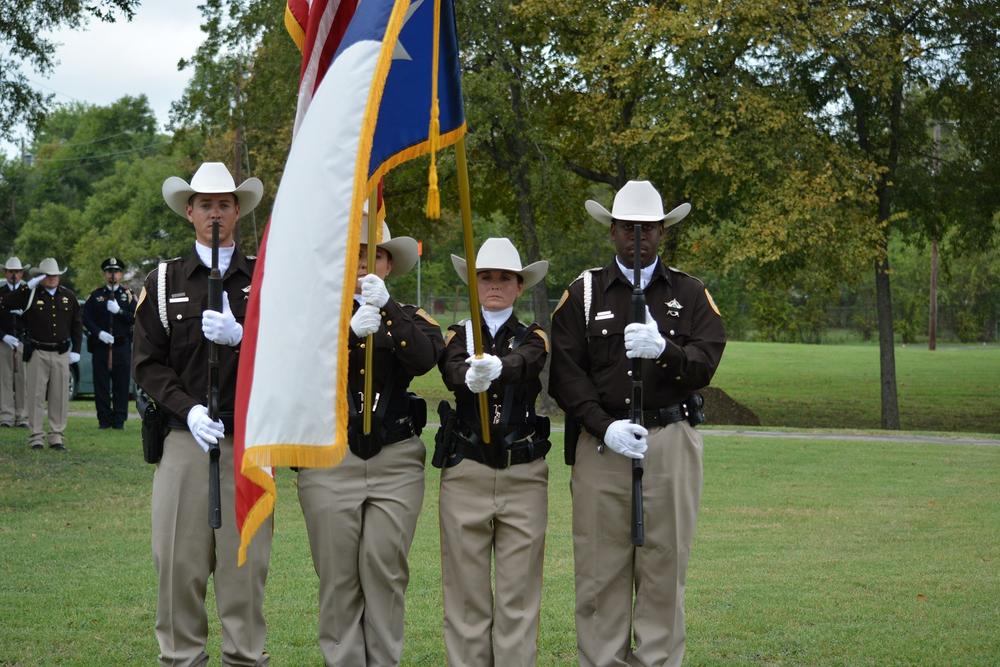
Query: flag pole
[[465, 202], [373, 228]]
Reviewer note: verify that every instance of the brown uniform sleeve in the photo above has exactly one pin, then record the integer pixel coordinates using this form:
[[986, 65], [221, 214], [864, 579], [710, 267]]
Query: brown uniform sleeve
[[417, 340], [525, 362], [569, 380], [151, 356], [452, 364], [690, 366]]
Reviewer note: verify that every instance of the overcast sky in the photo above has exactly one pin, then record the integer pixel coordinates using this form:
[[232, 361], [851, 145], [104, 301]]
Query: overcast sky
[[109, 60]]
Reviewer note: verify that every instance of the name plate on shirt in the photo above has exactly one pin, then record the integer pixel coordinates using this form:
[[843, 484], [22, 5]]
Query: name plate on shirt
[[178, 299], [604, 315]]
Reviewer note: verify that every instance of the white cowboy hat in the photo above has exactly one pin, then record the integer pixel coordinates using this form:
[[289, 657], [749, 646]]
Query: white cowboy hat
[[14, 264], [637, 201], [402, 248], [501, 255], [211, 178], [48, 266]]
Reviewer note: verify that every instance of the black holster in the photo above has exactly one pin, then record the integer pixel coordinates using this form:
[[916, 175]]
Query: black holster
[[443, 442], [154, 426], [29, 349], [695, 404]]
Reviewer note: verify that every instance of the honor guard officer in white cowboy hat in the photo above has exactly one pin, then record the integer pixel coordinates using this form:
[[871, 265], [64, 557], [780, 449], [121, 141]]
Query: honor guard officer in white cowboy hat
[[108, 316], [173, 332], [493, 503], [361, 514], [53, 335], [13, 407], [630, 599]]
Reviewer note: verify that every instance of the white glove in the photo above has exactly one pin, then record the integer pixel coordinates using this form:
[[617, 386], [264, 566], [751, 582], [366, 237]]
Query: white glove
[[74, 357], [373, 291], [482, 372], [626, 438], [366, 321], [644, 340], [113, 306], [33, 283], [12, 341], [222, 328], [204, 431], [106, 338]]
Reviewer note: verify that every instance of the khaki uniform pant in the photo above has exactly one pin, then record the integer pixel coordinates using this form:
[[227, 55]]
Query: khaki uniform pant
[[486, 515], [13, 407], [48, 380], [608, 568], [361, 516], [186, 551]]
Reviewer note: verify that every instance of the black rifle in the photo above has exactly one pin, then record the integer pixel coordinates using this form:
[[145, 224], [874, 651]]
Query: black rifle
[[214, 303], [638, 315]]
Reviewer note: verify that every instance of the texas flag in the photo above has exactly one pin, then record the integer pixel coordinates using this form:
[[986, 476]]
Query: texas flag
[[391, 92]]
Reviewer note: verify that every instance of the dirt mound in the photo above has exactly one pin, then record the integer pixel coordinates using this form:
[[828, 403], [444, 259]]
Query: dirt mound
[[721, 409]]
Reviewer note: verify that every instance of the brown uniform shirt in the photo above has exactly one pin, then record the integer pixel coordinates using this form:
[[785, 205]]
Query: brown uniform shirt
[[521, 368], [407, 344], [173, 368], [50, 319], [590, 374]]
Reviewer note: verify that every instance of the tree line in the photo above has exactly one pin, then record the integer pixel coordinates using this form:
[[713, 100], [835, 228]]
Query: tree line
[[829, 148]]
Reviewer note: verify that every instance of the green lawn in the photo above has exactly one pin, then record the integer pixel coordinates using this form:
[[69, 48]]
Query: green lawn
[[807, 553]]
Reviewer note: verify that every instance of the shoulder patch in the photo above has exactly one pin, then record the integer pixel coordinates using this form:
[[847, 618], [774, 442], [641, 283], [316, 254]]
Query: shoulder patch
[[424, 314], [451, 334], [544, 336], [142, 297], [711, 302]]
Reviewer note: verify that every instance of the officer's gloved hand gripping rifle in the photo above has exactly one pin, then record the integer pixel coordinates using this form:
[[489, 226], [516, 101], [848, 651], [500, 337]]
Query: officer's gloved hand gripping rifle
[[638, 315], [214, 303]]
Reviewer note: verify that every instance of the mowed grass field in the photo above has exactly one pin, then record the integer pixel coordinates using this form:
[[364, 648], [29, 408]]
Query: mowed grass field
[[807, 553]]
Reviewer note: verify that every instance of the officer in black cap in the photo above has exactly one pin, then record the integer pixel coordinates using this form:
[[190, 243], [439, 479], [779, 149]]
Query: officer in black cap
[[108, 317]]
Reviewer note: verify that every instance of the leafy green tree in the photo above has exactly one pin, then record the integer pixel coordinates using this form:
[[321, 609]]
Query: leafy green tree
[[79, 144], [23, 26], [855, 63], [50, 231]]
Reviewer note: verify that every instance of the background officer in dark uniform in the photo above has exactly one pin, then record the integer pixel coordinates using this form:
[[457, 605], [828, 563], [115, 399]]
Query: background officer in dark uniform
[[630, 600], [173, 330], [108, 316], [13, 407], [51, 316]]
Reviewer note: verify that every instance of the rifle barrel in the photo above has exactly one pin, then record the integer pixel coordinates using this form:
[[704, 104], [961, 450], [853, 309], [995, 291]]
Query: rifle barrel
[[638, 315]]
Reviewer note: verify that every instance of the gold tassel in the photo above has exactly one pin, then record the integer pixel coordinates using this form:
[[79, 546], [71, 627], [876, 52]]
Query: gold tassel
[[433, 210]]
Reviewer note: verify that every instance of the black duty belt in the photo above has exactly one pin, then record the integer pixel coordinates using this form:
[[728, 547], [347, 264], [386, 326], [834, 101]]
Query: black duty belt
[[670, 414], [495, 455], [49, 347]]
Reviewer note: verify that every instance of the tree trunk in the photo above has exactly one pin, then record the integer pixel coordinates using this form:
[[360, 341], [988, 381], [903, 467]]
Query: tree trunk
[[886, 345], [933, 316]]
